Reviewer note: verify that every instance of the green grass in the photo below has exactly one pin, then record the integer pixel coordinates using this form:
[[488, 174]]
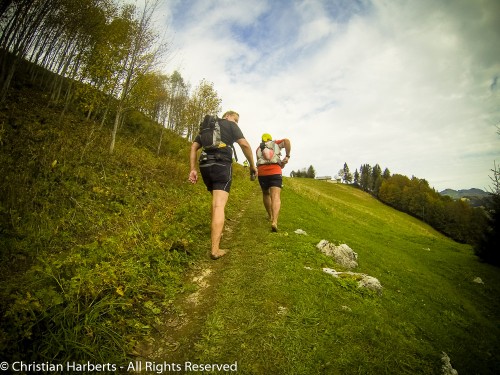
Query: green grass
[[96, 251], [93, 247], [273, 315]]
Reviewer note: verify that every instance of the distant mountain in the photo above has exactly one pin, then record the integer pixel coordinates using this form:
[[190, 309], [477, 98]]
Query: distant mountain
[[476, 197], [464, 193]]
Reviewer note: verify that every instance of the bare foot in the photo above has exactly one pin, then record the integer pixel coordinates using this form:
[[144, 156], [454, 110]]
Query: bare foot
[[218, 255]]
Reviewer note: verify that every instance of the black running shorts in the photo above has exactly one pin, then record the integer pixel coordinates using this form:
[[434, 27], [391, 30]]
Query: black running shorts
[[217, 176], [269, 181]]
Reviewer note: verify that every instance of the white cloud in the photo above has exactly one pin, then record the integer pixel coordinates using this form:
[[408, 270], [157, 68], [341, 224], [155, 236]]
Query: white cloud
[[406, 85]]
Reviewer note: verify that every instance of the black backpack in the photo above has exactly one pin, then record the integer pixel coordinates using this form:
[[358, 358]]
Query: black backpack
[[210, 134]]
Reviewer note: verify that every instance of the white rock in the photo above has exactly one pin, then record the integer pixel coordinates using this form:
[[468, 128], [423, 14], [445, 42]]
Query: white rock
[[366, 281], [331, 271], [370, 282], [342, 254], [322, 244], [478, 280], [447, 368]]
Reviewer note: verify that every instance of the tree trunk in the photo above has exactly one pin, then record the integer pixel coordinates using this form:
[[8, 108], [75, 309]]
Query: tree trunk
[[8, 79], [69, 98], [161, 139], [118, 116], [4, 5]]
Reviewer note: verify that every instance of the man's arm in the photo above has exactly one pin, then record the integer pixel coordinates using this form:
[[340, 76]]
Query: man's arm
[[288, 148], [247, 151], [193, 174]]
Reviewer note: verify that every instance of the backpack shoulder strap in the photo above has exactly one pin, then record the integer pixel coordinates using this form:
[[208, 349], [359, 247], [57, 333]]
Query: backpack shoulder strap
[[234, 152]]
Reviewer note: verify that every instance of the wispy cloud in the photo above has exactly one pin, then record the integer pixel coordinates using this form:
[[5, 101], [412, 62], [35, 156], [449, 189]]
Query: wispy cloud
[[408, 85]]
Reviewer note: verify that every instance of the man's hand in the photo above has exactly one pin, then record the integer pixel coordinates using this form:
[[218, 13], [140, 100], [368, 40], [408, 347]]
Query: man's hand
[[193, 176]]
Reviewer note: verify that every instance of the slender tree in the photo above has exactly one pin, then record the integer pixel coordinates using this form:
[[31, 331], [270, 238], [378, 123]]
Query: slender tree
[[170, 115], [4, 5], [18, 33], [204, 100], [143, 53], [386, 175], [356, 177], [365, 180], [376, 179]]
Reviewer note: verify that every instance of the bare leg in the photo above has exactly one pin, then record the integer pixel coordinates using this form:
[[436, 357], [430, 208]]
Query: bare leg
[[219, 200], [275, 193], [266, 198]]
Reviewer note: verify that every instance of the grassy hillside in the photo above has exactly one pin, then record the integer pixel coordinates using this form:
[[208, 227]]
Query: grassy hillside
[[96, 250], [277, 312], [93, 246]]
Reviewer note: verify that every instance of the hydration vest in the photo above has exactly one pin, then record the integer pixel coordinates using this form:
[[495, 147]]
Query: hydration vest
[[269, 153]]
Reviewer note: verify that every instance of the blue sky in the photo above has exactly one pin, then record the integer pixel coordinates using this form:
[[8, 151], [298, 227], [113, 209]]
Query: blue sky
[[410, 85]]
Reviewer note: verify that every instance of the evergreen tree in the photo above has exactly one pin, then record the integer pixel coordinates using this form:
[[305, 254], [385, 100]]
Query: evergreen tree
[[347, 175], [366, 177], [311, 173], [386, 175], [356, 177], [376, 179]]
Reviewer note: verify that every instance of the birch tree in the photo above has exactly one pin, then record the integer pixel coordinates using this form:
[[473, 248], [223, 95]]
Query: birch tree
[[143, 53], [18, 32], [204, 100], [177, 100], [101, 66], [171, 111]]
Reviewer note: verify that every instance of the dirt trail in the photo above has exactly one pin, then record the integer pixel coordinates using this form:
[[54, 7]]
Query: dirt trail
[[174, 340]]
